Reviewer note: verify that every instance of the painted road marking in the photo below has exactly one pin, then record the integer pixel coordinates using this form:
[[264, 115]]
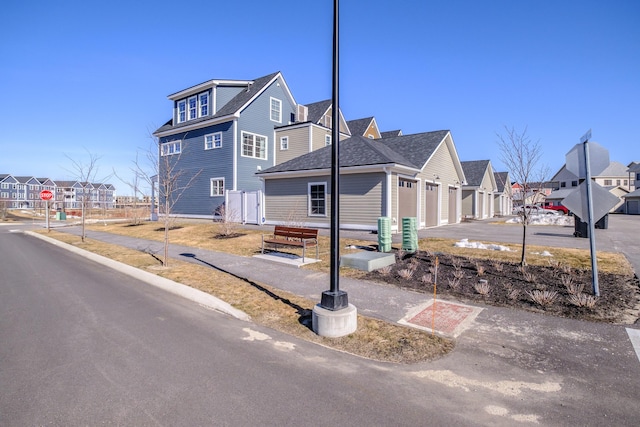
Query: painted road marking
[[634, 336]]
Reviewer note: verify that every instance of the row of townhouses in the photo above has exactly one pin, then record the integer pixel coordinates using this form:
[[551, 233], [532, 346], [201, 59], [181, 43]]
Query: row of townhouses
[[247, 148], [23, 192]]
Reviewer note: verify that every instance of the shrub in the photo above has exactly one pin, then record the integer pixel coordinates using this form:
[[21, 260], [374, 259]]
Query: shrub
[[544, 298], [454, 284], [575, 288], [406, 273], [583, 300], [426, 278], [482, 287]]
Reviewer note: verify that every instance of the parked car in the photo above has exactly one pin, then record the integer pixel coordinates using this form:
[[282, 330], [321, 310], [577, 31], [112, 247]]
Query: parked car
[[558, 208], [534, 210]]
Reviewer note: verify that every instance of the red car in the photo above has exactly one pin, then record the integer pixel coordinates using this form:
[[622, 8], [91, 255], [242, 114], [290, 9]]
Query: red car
[[561, 208]]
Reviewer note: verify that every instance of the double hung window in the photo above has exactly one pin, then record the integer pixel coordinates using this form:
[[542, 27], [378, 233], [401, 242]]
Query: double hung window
[[254, 145], [213, 140], [170, 148], [276, 110], [317, 199], [217, 187]]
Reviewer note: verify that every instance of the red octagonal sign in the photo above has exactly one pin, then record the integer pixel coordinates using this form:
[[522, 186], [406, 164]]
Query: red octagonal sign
[[46, 195]]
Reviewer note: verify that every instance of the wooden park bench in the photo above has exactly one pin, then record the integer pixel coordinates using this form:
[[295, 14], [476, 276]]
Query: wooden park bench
[[292, 236]]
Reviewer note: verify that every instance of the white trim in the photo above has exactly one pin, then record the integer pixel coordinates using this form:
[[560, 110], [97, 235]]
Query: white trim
[[271, 110], [217, 179], [326, 191], [266, 145], [196, 125], [181, 102], [200, 95], [174, 144], [213, 140], [195, 108], [235, 155], [284, 139]]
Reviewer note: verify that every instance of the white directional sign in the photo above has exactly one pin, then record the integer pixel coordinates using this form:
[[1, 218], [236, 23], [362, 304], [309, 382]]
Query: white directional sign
[[598, 160], [603, 201]]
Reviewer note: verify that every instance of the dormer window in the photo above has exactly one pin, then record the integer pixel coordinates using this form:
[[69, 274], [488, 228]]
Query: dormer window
[[204, 104], [193, 107], [182, 111]]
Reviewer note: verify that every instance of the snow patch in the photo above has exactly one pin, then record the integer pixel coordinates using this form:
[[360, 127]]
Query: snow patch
[[465, 243], [543, 219]]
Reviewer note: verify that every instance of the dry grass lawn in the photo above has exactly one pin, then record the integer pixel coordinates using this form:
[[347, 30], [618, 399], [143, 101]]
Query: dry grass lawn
[[274, 308]]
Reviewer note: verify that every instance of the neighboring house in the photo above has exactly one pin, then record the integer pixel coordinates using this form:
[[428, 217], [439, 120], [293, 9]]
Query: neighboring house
[[633, 172], [406, 176], [390, 133], [535, 193], [477, 193], [632, 202], [221, 133], [503, 196], [616, 174], [366, 127], [619, 192], [310, 131], [24, 192]]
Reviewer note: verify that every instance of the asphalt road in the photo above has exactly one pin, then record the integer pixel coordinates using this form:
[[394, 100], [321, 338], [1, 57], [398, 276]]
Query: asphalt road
[[84, 345]]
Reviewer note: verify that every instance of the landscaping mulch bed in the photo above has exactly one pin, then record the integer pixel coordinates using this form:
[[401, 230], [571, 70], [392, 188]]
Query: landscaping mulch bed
[[459, 277]]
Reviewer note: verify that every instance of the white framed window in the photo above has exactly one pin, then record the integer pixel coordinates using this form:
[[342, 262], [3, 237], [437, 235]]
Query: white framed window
[[327, 140], [276, 110], [284, 143], [204, 104], [193, 107], [317, 195], [217, 187], [4, 195], [254, 145], [182, 111], [213, 140], [170, 148], [4, 186]]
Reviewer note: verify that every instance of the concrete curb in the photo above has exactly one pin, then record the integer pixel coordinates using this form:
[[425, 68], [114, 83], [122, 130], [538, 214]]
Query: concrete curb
[[176, 288]]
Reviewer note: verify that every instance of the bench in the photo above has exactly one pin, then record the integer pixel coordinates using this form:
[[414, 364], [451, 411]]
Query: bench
[[292, 236]]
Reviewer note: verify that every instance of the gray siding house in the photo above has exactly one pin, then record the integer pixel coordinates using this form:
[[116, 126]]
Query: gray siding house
[[416, 175], [220, 134]]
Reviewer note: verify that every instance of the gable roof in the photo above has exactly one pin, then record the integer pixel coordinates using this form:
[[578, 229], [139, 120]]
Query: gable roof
[[614, 169], [474, 171], [501, 179], [317, 110], [633, 194], [412, 151], [359, 126], [233, 107], [633, 167], [390, 133]]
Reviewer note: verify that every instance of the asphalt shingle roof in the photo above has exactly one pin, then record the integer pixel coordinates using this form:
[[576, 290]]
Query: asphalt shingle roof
[[501, 180], [359, 126], [409, 150], [390, 133], [230, 107], [317, 110], [474, 171]]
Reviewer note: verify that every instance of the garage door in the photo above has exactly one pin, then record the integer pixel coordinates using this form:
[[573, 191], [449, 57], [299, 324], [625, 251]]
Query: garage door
[[431, 205], [633, 207], [453, 205], [407, 199]]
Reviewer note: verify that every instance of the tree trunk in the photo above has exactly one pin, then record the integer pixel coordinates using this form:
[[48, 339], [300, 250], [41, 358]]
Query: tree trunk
[[523, 259]]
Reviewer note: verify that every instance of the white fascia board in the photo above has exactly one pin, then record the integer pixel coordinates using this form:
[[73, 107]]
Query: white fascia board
[[384, 168], [204, 86], [264, 88], [198, 125]]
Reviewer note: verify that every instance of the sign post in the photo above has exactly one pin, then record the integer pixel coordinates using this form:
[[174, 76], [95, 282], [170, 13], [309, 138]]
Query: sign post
[[46, 195]]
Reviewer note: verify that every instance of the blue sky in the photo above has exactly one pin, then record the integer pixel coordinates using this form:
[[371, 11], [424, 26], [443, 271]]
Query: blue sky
[[83, 76]]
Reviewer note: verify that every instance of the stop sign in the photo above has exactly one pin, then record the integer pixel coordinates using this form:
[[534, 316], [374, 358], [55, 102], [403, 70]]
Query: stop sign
[[46, 195]]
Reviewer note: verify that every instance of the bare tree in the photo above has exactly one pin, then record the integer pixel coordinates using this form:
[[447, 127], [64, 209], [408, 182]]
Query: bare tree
[[521, 156], [165, 170], [85, 172], [140, 175]]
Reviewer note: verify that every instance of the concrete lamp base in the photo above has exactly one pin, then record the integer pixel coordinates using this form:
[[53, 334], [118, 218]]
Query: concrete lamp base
[[334, 324]]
